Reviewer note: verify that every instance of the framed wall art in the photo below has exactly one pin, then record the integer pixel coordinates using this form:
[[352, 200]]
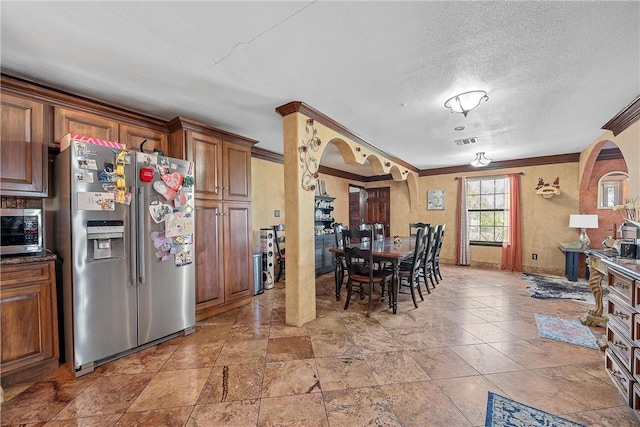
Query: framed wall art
[[435, 199]]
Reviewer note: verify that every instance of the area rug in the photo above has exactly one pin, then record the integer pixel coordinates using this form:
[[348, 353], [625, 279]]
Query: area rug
[[548, 287], [571, 331], [504, 412]]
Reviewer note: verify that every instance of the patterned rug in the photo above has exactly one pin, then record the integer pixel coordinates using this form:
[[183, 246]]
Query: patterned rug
[[571, 331], [504, 412], [547, 287]]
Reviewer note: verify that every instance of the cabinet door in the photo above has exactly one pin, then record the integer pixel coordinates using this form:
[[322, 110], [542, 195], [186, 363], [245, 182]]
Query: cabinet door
[[28, 316], [132, 136], [328, 257], [209, 255], [23, 151], [319, 251], [238, 250], [237, 172], [206, 153], [84, 124]]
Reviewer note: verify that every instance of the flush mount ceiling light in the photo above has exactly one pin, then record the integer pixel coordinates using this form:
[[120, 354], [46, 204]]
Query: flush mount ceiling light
[[480, 160], [465, 102]]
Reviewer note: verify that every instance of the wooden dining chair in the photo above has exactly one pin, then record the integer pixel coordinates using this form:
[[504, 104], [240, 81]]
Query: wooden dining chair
[[409, 271], [279, 237], [361, 271], [439, 237], [414, 226], [427, 263], [341, 265]]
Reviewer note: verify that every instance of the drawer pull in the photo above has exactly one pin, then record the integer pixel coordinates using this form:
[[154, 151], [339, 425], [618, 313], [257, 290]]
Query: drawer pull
[[621, 315], [621, 345], [619, 376], [621, 285]]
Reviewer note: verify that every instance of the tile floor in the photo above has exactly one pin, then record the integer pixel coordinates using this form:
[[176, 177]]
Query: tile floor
[[430, 366]]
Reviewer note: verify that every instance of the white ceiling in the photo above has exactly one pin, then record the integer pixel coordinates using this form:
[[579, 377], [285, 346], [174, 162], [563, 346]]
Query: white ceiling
[[555, 72]]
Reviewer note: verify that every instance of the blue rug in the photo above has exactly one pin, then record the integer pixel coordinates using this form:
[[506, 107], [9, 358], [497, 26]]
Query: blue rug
[[504, 412], [571, 331], [554, 287]]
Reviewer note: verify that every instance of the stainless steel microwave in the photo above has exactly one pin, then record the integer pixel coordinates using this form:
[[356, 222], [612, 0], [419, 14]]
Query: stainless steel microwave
[[22, 231]]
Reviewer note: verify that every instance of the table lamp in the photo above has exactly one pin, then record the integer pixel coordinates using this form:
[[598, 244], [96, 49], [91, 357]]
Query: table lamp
[[583, 222]]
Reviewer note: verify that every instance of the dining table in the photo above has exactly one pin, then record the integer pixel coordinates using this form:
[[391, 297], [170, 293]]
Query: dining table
[[388, 250]]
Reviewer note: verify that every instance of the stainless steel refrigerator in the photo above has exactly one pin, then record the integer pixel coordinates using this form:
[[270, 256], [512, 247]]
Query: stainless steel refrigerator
[[125, 223]]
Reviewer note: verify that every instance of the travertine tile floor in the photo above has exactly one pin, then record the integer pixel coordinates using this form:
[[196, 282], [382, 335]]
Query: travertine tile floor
[[428, 366]]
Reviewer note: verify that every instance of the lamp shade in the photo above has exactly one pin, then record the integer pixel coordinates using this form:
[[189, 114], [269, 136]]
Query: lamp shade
[[465, 102], [583, 221], [480, 160]]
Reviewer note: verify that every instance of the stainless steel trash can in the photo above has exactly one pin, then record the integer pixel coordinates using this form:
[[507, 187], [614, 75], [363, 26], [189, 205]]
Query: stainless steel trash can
[[257, 273]]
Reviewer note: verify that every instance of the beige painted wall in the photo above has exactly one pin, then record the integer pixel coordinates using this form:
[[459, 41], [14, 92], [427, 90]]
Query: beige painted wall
[[267, 195]]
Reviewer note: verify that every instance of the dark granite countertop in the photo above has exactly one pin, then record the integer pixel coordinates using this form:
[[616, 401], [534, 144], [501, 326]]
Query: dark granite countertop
[[27, 259], [628, 266]]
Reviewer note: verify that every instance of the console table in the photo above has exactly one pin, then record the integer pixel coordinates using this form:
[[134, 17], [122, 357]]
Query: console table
[[571, 262]]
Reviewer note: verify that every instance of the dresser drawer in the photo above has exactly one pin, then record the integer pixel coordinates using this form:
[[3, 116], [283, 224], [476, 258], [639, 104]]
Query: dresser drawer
[[619, 375], [622, 286], [621, 314], [636, 396], [621, 346]]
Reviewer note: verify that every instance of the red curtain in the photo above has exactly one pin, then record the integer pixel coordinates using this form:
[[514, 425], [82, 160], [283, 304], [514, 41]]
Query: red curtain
[[512, 246]]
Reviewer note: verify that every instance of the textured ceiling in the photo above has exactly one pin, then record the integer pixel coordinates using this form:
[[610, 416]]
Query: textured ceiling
[[555, 72]]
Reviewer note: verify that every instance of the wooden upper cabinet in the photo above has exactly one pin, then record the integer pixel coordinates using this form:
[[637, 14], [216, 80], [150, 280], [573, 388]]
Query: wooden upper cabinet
[[222, 160], [84, 124], [207, 156], [237, 172], [132, 136], [22, 147]]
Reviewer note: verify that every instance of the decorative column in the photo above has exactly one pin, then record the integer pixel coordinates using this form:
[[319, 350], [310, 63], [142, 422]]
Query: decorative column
[[299, 190]]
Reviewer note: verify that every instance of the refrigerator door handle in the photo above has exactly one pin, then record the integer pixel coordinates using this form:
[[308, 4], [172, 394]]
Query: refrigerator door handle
[[133, 276], [141, 234]]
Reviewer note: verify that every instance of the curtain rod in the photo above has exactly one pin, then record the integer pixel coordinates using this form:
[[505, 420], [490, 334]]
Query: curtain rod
[[458, 177]]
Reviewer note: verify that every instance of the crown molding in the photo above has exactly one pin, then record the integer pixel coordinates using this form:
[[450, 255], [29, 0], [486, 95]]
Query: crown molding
[[625, 118]]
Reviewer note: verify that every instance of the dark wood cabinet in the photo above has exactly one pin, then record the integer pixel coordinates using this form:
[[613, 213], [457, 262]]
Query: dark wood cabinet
[[29, 318], [236, 168], [132, 136], [82, 123], [324, 259], [224, 241], [209, 254], [23, 151]]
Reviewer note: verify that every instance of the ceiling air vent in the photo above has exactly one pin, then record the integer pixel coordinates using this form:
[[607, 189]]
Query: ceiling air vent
[[466, 141]]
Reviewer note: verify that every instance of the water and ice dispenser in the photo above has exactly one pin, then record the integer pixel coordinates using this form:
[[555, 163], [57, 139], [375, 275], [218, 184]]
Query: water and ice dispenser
[[105, 239]]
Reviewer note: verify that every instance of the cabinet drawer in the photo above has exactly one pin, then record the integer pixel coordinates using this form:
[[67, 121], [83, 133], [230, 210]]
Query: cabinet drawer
[[636, 396], [25, 273], [622, 286], [621, 314], [636, 364], [620, 345], [619, 375]]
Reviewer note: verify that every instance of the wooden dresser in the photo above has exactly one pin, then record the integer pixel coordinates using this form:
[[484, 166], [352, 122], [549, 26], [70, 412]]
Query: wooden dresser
[[622, 356]]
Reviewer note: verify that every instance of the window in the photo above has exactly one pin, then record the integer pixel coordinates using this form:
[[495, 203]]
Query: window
[[487, 210], [613, 189]]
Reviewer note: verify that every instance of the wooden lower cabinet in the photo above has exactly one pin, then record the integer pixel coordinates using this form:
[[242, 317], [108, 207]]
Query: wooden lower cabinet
[[29, 318], [223, 256], [325, 260]]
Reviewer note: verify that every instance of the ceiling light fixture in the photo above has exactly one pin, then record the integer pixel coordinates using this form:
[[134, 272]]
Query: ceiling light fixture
[[480, 160], [465, 102]]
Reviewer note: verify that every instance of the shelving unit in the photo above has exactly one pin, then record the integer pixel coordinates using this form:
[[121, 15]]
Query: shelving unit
[[324, 211], [324, 218]]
